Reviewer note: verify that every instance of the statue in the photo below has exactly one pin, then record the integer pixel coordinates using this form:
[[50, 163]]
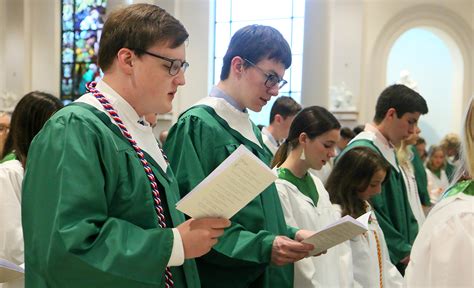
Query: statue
[[8, 101], [406, 80], [341, 98]]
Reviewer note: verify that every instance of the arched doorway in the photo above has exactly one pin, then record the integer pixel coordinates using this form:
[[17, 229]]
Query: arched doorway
[[455, 33], [425, 61]]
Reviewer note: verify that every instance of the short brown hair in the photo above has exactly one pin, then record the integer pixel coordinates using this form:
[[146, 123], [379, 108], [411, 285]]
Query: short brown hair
[[138, 26]]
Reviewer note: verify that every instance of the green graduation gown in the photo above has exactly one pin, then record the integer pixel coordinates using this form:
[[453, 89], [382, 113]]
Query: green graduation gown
[[420, 176], [87, 211], [391, 206], [196, 145]]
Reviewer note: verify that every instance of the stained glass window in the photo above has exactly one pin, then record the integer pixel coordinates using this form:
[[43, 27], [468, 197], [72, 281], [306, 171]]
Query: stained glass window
[[81, 27], [285, 15]]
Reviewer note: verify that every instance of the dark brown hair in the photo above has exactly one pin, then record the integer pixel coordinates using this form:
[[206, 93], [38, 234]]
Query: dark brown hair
[[256, 43], [313, 121], [138, 26], [351, 175], [284, 106], [402, 99], [29, 116]]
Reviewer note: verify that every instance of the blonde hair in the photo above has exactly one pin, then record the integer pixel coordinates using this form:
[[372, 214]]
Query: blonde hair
[[468, 138], [429, 161], [450, 141], [404, 155]]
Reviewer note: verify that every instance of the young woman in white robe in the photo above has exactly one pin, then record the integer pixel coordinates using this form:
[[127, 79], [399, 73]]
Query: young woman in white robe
[[443, 252], [357, 176], [305, 201], [436, 173], [29, 116]]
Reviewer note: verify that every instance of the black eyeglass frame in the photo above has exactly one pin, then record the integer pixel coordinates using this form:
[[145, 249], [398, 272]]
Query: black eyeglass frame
[[272, 79], [173, 67]]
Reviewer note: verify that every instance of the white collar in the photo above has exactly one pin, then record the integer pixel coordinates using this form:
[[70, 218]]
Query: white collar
[[382, 144], [270, 136], [237, 120], [143, 134]]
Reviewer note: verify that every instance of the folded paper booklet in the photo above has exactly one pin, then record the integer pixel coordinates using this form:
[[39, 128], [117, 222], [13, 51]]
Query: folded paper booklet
[[9, 271], [231, 186], [342, 230]]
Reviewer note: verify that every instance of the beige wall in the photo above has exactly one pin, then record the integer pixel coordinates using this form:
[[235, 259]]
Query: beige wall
[[345, 40]]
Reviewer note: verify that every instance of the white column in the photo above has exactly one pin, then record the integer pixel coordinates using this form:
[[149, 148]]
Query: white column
[[14, 47], [3, 55], [316, 53]]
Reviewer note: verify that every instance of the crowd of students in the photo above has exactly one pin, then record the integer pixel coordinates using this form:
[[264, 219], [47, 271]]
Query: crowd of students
[[92, 194]]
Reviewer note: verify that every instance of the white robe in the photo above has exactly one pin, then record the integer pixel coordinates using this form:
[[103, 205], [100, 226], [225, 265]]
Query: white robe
[[269, 141], [11, 233], [436, 186], [365, 258], [333, 269], [409, 179], [443, 252]]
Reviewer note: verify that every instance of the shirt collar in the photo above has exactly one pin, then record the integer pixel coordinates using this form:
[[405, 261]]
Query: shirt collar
[[371, 128], [270, 136], [219, 93], [117, 101]]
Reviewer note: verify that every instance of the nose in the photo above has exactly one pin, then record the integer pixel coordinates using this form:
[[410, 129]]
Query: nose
[[274, 90], [332, 152], [179, 79]]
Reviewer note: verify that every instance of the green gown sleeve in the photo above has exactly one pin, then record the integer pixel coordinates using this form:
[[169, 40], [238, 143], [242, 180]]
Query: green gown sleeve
[[86, 212], [191, 148], [421, 178], [389, 220]]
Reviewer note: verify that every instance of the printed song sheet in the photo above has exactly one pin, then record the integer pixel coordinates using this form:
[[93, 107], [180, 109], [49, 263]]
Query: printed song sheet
[[342, 230], [9, 271], [231, 186]]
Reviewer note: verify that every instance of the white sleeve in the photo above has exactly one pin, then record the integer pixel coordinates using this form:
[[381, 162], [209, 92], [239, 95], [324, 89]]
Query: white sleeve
[[444, 257], [177, 253], [11, 234], [283, 192]]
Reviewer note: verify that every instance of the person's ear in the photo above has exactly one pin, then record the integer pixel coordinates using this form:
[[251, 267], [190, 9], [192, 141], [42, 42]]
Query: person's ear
[[391, 113], [278, 118], [125, 59], [237, 65], [303, 138]]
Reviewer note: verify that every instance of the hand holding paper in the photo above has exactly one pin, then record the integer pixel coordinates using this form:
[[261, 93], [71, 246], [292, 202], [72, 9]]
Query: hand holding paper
[[199, 235], [342, 230], [286, 250]]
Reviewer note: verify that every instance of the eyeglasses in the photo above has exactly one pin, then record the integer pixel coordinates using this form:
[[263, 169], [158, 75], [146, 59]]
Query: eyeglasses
[[175, 64], [272, 79]]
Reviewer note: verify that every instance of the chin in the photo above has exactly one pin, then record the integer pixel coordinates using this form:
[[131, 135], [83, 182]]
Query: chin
[[255, 109]]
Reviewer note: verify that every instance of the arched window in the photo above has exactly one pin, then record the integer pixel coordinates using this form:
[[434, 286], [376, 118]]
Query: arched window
[[421, 60], [81, 27], [285, 15]]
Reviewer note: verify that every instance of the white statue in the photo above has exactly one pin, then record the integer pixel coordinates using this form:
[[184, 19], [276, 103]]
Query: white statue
[[406, 80], [341, 97], [8, 101]]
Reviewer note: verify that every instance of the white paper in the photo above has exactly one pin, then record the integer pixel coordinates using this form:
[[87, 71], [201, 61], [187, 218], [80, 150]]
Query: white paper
[[10, 271], [342, 230], [232, 185]]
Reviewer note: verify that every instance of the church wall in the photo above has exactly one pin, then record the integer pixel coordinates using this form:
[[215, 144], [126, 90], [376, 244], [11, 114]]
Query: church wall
[[341, 38]]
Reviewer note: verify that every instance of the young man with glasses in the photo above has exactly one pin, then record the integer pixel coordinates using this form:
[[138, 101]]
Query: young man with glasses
[[258, 249], [99, 199]]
